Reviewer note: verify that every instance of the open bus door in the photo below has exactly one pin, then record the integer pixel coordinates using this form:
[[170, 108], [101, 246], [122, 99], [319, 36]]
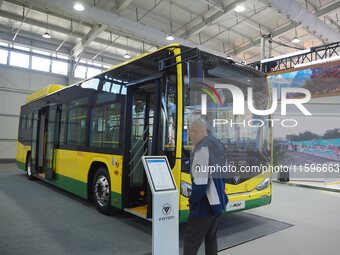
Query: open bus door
[[142, 128], [44, 138], [34, 145]]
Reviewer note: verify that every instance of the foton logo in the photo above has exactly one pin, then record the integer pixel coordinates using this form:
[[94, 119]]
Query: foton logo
[[237, 178], [166, 218], [166, 209], [239, 99]]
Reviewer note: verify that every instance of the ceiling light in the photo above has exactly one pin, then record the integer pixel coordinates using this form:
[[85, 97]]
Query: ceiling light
[[78, 6], [46, 35], [239, 8], [295, 40], [127, 56], [170, 37]]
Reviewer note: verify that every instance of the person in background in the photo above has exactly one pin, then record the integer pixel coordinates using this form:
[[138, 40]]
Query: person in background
[[208, 199]]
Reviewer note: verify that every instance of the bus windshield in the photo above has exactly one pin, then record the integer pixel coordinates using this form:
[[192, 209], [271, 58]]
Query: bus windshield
[[246, 137]]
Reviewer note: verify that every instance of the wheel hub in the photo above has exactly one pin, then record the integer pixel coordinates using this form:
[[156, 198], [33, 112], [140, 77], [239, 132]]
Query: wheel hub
[[102, 190], [29, 168]]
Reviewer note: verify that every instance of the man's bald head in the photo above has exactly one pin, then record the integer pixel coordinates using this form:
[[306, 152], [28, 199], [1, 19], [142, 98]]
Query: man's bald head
[[198, 131]]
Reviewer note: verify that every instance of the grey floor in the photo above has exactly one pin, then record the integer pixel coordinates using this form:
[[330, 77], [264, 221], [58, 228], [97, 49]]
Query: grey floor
[[27, 221], [315, 215]]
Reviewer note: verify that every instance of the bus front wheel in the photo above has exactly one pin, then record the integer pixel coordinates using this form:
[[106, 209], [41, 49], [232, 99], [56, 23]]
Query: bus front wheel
[[101, 191]]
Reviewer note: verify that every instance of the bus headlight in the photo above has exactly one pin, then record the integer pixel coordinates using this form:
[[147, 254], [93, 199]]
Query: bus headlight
[[185, 189], [263, 184]]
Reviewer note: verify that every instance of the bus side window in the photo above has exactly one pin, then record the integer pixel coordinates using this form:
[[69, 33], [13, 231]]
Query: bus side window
[[97, 127], [105, 126], [63, 122], [29, 120], [24, 122], [22, 126], [76, 123], [112, 121], [71, 126], [28, 131]]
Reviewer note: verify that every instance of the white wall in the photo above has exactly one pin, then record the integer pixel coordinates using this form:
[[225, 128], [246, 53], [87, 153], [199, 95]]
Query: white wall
[[15, 85]]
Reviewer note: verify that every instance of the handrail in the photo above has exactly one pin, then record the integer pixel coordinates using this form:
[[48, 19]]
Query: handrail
[[146, 129], [135, 167], [146, 140]]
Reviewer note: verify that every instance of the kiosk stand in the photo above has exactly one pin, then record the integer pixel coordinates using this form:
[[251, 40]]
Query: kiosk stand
[[165, 223]]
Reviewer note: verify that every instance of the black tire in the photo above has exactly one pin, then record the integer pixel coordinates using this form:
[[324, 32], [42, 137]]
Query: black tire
[[101, 191], [28, 167]]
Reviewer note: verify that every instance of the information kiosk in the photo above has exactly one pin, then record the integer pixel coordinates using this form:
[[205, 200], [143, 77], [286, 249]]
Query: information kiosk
[[165, 224]]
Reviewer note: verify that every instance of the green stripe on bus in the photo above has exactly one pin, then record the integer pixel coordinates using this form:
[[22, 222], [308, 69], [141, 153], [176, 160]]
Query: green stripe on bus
[[80, 188], [116, 200], [21, 166], [184, 214], [74, 186], [71, 185]]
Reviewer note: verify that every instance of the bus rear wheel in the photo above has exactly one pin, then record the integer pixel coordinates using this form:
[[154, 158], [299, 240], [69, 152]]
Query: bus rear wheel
[[101, 191], [29, 168]]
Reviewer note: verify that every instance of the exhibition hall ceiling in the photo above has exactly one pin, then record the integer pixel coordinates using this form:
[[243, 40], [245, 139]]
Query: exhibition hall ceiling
[[116, 27]]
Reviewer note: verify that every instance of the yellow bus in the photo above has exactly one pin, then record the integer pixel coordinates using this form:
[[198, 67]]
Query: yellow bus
[[88, 138]]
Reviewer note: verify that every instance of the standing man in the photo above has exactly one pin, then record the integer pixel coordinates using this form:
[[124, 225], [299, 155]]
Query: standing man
[[208, 198]]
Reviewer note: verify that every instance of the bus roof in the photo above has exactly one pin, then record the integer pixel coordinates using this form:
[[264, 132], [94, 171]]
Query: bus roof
[[52, 88], [48, 90], [141, 56]]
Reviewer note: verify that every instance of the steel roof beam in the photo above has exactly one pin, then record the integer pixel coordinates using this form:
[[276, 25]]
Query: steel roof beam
[[28, 38], [281, 30], [90, 37], [63, 15], [333, 22], [113, 20], [63, 30], [300, 15], [121, 4], [208, 21], [230, 28]]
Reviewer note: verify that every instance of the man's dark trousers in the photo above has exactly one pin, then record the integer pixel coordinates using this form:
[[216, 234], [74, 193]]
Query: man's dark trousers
[[198, 229]]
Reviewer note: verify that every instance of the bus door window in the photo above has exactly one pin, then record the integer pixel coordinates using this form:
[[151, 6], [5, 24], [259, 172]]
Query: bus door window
[[42, 138], [168, 118], [34, 143], [51, 140], [141, 136], [143, 121]]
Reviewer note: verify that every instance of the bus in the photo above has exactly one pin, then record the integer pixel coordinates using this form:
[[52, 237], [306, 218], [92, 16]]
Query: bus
[[89, 138]]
